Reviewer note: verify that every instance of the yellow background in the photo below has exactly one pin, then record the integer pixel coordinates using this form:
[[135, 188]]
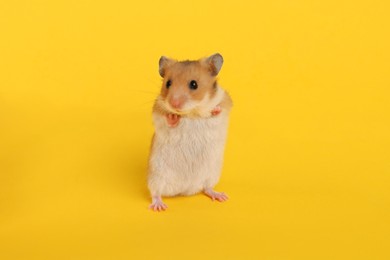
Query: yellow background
[[307, 163]]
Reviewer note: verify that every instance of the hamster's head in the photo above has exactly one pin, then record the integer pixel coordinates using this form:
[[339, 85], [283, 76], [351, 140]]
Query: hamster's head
[[189, 85]]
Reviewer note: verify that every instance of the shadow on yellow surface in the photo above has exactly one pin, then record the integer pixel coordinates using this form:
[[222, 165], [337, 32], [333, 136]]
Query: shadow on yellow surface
[[307, 160]]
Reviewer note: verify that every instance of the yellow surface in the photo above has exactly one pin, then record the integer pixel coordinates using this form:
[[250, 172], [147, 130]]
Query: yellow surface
[[307, 163]]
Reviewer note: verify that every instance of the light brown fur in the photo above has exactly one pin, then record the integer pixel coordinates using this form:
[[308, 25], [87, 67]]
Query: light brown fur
[[227, 102], [180, 73]]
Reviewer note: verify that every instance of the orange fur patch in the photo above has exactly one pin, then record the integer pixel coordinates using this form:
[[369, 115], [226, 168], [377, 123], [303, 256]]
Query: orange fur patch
[[181, 73]]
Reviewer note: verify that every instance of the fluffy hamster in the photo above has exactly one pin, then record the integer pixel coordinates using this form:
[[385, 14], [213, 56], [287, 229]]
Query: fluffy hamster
[[190, 117]]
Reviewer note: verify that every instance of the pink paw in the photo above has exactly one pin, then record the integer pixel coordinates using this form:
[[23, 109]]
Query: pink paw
[[216, 111], [173, 120], [158, 204], [214, 195]]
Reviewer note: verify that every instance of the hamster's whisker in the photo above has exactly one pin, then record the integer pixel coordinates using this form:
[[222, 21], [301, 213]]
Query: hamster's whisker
[[145, 91], [146, 103]]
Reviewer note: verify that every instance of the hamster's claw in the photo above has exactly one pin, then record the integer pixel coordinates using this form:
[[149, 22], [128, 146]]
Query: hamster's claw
[[158, 204], [214, 195]]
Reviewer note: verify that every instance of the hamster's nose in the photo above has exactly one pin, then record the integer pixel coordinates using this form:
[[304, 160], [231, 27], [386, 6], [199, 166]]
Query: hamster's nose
[[176, 103]]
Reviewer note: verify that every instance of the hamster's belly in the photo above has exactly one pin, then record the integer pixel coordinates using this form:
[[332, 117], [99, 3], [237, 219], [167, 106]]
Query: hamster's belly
[[187, 158]]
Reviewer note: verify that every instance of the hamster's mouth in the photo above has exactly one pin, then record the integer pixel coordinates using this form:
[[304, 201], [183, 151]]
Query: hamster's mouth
[[177, 111]]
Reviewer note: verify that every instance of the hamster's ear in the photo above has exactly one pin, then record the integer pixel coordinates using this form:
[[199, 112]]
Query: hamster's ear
[[163, 64], [215, 62]]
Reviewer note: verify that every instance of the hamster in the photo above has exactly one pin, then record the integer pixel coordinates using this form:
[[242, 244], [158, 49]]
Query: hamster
[[190, 118]]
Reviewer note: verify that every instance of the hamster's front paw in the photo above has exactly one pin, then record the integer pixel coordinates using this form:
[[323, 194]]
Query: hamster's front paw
[[173, 120], [216, 111]]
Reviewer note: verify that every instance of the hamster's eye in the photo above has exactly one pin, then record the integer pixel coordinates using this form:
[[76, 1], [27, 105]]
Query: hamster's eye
[[168, 84], [193, 84]]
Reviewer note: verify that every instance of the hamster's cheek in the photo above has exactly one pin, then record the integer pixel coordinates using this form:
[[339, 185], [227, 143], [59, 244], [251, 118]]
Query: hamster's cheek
[[190, 105]]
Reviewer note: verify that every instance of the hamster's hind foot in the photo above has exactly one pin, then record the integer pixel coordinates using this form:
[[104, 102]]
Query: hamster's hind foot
[[214, 195], [158, 204]]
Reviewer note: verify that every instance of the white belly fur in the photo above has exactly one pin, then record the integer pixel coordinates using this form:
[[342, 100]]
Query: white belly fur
[[186, 159]]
